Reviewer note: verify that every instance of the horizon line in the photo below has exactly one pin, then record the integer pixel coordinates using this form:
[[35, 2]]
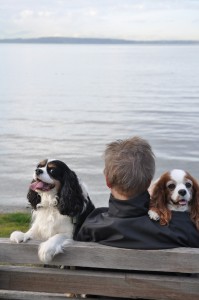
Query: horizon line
[[93, 40]]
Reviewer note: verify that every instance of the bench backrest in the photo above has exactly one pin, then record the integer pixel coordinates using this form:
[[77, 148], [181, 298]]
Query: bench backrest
[[102, 270]]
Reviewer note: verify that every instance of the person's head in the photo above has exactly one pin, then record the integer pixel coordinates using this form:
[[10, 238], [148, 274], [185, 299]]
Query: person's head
[[129, 166]]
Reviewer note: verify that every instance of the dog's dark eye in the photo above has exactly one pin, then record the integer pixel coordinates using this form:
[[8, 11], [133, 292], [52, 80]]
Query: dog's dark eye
[[188, 185], [171, 186], [52, 171]]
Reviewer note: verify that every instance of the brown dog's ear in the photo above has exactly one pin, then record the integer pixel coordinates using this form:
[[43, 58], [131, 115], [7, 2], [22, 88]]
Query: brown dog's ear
[[194, 212], [158, 202]]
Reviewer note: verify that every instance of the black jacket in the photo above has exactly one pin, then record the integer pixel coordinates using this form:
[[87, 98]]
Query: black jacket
[[126, 224]]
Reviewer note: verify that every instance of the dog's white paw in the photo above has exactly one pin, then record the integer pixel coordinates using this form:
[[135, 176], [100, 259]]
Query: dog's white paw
[[47, 251], [17, 236], [27, 236], [153, 215]]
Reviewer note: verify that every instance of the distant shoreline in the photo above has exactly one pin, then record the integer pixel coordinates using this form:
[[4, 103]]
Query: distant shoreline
[[94, 41], [12, 209]]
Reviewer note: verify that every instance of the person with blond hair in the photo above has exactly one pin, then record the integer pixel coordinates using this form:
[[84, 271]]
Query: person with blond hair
[[129, 170]]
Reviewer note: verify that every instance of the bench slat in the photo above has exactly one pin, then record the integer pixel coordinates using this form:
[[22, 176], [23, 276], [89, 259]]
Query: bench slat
[[115, 284], [21, 295], [185, 260]]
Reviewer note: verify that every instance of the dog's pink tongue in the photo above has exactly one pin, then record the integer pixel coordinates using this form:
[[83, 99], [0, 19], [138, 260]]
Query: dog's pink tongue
[[37, 185], [182, 202]]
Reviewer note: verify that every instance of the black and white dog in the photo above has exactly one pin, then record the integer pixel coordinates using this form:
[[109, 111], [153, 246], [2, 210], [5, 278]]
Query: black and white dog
[[60, 205]]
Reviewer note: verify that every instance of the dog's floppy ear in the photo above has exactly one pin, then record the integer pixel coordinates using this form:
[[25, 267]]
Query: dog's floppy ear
[[158, 202], [33, 197], [194, 212], [71, 199]]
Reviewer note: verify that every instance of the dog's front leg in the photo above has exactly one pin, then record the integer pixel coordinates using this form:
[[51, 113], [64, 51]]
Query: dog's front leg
[[52, 247], [19, 236], [153, 215], [28, 235]]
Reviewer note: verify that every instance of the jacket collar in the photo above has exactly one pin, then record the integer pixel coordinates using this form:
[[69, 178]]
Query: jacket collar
[[134, 207]]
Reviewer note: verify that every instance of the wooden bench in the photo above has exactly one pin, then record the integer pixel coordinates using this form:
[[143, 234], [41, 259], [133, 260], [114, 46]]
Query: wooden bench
[[100, 270]]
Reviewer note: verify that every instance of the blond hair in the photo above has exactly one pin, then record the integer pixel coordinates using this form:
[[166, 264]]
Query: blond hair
[[129, 165]]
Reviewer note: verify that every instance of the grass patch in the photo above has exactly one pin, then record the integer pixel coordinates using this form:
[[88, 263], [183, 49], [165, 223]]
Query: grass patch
[[10, 222]]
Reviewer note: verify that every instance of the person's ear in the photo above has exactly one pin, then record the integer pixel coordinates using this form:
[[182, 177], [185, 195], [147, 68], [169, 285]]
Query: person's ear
[[107, 183]]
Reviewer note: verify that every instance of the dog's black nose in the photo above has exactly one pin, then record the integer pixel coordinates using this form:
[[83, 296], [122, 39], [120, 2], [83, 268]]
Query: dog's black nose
[[182, 192], [38, 172]]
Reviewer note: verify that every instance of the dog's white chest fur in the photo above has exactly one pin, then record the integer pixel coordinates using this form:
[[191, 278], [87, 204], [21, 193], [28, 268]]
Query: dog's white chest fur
[[47, 222]]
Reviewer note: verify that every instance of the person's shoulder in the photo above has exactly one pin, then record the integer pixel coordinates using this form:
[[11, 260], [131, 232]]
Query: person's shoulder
[[95, 216], [183, 222], [98, 210], [180, 216], [89, 229]]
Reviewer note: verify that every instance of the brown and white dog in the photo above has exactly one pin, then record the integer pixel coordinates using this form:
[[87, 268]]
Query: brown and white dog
[[175, 190], [60, 204]]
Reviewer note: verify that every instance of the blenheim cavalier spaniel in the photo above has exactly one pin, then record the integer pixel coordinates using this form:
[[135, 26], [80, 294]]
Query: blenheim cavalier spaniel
[[60, 204], [175, 190]]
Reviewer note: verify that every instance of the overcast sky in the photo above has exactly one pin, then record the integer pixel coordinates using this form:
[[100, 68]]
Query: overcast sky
[[126, 19]]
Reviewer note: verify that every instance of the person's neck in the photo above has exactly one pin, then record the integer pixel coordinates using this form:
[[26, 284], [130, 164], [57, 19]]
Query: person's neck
[[118, 195]]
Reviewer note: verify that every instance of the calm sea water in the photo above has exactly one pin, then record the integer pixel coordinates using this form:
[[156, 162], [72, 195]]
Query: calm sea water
[[68, 101]]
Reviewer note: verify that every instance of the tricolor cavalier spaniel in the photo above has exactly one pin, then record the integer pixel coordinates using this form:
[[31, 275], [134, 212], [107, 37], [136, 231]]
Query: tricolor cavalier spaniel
[[175, 190], [60, 205]]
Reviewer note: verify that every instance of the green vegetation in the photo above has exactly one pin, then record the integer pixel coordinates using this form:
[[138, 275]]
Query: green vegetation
[[10, 222]]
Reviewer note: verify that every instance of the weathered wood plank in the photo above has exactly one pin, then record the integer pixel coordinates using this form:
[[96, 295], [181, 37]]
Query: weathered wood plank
[[185, 260], [115, 284], [19, 253], [22, 295]]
